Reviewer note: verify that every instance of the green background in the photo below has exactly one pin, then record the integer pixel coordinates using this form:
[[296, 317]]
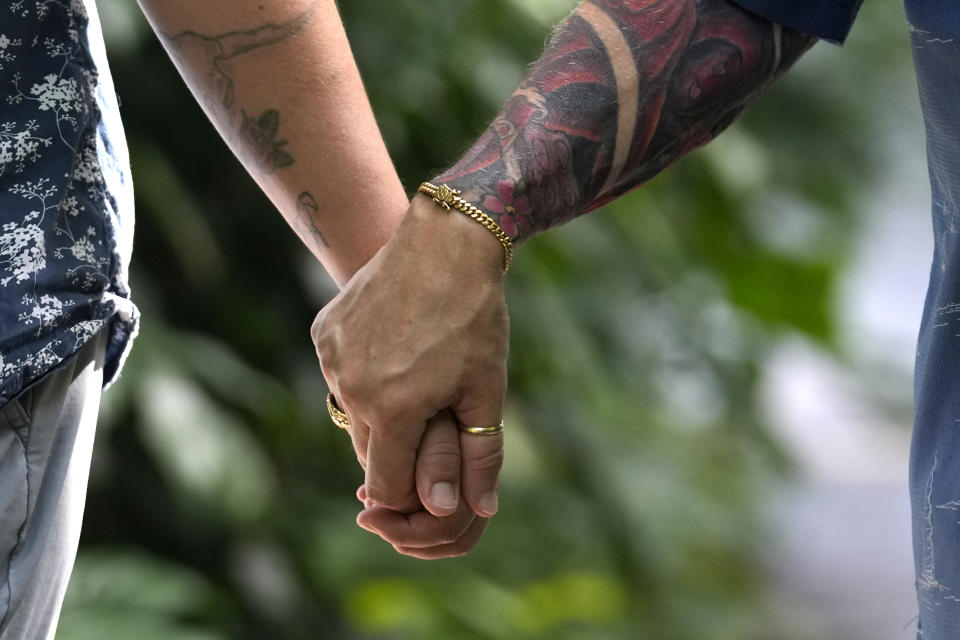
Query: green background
[[221, 499]]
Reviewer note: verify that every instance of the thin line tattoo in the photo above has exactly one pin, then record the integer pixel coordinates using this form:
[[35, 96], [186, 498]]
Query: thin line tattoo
[[307, 209], [624, 89], [258, 136], [226, 46]]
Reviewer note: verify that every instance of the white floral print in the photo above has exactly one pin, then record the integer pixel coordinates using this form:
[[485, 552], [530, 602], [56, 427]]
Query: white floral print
[[45, 310], [57, 94], [19, 145], [22, 251], [7, 46], [59, 276]]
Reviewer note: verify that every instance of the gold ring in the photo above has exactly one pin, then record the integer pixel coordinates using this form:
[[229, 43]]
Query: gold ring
[[336, 413], [483, 431]]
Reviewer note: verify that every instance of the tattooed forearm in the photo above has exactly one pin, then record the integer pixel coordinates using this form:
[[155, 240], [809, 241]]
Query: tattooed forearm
[[259, 136], [217, 50], [307, 210], [208, 64], [624, 88], [279, 82]]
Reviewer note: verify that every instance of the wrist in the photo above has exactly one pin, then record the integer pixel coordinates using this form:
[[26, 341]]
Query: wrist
[[464, 243]]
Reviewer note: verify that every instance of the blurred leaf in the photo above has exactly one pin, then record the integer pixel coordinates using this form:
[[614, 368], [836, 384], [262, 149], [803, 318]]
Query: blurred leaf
[[118, 594], [568, 599], [392, 605], [205, 451], [179, 215]]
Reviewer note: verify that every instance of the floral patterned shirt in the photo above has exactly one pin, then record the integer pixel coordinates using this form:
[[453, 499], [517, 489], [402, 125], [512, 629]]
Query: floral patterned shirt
[[66, 205]]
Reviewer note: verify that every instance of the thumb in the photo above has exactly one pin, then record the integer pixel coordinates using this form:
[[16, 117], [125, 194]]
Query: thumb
[[482, 453], [438, 465]]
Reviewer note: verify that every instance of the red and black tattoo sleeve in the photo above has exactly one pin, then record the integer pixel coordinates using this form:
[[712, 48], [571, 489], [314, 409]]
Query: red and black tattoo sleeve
[[624, 88]]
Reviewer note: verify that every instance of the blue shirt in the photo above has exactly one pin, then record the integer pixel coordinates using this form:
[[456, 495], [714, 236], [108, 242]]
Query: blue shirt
[[934, 27], [829, 20], [66, 202]]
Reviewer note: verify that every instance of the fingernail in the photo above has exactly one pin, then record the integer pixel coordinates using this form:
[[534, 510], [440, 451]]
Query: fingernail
[[488, 503], [442, 495]]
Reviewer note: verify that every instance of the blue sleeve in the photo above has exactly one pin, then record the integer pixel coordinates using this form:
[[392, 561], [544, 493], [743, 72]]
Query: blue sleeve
[[829, 20]]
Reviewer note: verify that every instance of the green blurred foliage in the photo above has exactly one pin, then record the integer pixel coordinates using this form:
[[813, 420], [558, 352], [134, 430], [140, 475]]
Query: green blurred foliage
[[221, 500]]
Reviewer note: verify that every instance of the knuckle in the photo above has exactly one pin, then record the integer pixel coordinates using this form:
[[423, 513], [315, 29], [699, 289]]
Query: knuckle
[[347, 393], [316, 327], [324, 334], [385, 498], [326, 352], [352, 387], [441, 456], [491, 461], [376, 493], [391, 404]]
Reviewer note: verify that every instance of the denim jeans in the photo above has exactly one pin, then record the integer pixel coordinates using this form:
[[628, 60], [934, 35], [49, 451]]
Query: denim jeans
[[935, 450]]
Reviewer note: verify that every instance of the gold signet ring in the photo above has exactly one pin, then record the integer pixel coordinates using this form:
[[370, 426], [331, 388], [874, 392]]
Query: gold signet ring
[[336, 413]]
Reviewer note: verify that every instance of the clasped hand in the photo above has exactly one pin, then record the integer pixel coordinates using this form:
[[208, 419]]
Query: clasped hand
[[413, 348]]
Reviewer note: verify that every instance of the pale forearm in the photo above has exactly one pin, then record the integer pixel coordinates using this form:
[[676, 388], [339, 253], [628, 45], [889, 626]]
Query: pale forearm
[[624, 89], [279, 83]]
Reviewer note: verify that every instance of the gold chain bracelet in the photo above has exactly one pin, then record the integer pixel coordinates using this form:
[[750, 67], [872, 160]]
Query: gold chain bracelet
[[450, 198]]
